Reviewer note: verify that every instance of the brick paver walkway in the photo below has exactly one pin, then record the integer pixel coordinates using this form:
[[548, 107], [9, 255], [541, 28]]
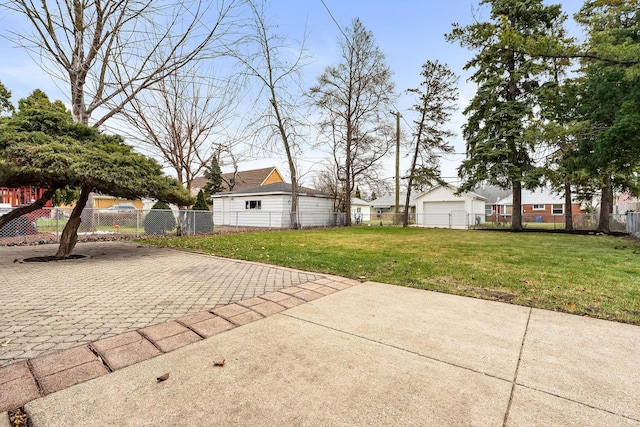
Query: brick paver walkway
[[122, 287]]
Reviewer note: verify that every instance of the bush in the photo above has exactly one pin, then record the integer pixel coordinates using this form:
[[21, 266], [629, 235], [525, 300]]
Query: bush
[[203, 220], [159, 220]]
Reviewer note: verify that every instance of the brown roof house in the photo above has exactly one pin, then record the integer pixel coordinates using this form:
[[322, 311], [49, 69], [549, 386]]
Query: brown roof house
[[241, 180]]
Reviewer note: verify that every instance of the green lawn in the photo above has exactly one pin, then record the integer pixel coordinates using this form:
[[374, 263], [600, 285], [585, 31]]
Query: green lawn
[[598, 276]]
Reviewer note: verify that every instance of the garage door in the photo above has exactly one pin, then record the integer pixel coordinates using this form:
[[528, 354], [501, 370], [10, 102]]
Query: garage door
[[443, 214]]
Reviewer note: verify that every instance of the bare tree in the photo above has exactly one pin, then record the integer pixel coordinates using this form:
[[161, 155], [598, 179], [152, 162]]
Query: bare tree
[[436, 97], [108, 52], [269, 60], [353, 96], [182, 120], [327, 181]]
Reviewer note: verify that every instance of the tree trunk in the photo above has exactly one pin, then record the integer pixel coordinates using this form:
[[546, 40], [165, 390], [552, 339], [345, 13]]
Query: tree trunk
[[347, 173], [69, 236], [292, 167], [516, 208], [606, 205], [568, 213], [414, 161]]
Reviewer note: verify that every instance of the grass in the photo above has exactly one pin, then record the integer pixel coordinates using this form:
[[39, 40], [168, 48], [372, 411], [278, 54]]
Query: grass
[[597, 276], [46, 225]]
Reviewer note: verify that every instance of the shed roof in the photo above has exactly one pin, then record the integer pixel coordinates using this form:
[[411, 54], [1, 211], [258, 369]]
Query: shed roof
[[453, 188], [276, 188], [390, 201], [359, 202]]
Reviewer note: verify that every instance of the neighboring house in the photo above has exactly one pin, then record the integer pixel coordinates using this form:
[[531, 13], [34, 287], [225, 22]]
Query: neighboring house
[[22, 196], [541, 205], [384, 208], [360, 210], [441, 207], [241, 180], [269, 206]]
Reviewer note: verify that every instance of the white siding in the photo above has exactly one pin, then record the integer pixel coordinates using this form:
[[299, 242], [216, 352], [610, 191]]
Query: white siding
[[440, 207], [315, 211], [274, 212]]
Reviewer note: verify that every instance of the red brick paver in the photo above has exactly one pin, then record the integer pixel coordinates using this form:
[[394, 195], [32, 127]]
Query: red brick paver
[[170, 335], [213, 326], [136, 349], [301, 293], [17, 386], [267, 308], [66, 368]]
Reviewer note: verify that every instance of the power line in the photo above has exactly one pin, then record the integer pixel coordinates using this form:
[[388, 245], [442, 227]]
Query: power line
[[336, 22]]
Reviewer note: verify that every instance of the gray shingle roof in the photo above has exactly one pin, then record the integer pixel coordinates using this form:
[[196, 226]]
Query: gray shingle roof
[[277, 188]]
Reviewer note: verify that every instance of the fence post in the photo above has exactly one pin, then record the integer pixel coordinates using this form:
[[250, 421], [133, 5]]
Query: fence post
[[137, 223]]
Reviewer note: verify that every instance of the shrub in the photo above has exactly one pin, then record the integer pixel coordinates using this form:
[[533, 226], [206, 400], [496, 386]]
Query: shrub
[[159, 220], [203, 221]]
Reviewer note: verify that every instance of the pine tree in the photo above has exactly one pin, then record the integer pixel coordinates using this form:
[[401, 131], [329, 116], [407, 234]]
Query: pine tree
[[214, 178], [499, 146], [203, 221]]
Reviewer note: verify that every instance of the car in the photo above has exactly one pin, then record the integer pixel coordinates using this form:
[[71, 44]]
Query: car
[[121, 207], [5, 208]]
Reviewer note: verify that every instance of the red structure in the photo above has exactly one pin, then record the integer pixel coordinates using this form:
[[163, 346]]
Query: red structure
[[21, 196]]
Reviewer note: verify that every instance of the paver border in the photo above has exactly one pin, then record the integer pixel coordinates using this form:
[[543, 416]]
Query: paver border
[[24, 381]]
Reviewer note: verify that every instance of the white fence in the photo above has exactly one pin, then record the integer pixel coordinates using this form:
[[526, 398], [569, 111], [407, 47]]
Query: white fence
[[277, 219], [633, 223]]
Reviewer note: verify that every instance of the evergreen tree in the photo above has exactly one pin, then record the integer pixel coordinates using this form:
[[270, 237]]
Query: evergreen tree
[[358, 195], [214, 178], [203, 221], [40, 145], [160, 219], [609, 144], [499, 147]]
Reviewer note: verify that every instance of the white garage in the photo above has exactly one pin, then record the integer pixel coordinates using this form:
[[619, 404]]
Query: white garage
[[440, 207]]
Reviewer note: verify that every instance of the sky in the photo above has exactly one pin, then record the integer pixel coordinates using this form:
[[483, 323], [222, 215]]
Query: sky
[[408, 32]]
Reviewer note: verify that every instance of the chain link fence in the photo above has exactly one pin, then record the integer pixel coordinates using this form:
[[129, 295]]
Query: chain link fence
[[258, 218], [581, 222], [46, 225]]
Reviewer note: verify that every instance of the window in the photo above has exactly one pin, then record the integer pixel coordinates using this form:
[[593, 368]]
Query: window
[[507, 210], [557, 209], [538, 207], [253, 204]]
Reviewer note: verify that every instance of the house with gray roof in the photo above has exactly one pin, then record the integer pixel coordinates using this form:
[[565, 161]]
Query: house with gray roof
[[269, 206]]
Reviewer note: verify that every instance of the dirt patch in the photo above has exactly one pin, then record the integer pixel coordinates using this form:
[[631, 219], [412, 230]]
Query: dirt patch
[[494, 294]]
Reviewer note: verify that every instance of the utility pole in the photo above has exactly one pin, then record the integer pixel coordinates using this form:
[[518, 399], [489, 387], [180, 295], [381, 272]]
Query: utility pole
[[398, 115]]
